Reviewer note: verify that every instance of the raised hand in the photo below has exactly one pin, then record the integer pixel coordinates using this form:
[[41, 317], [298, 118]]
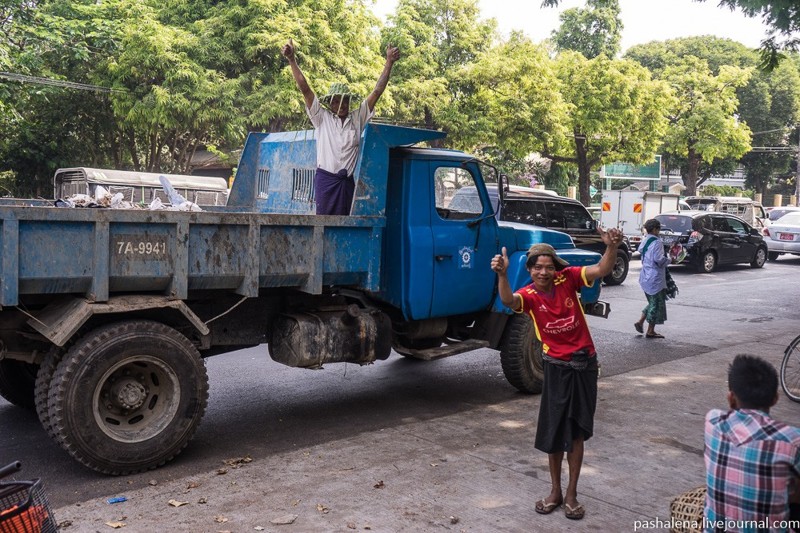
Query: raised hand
[[611, 237], [500, 262], [392, 53], [288, 50]]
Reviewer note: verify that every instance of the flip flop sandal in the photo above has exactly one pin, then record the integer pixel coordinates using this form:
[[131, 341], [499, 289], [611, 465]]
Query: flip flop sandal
[[638, 327], [574, 513], [545, 507], [654, 336]]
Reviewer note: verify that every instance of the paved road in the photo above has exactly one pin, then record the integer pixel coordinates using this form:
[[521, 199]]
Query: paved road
[[259, 407]]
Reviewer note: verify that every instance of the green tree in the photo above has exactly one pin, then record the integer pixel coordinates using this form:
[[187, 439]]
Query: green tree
[[593, 30], [773, 109], [48, 126], [515, 101], [336, 41], [783, 16], [703, 124], [767, 102], [615, 112], [438, 39]]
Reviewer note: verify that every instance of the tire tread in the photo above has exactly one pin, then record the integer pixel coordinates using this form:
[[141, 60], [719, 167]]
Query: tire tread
[[70, 364]]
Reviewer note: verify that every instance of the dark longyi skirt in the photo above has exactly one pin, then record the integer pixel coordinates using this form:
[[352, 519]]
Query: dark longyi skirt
[[656, 310], [569, 400]]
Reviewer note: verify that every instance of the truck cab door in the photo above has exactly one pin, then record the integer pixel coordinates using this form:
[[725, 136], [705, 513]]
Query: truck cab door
[[465, 238]]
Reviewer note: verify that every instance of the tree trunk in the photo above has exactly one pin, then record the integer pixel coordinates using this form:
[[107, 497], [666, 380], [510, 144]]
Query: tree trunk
[[431, 125], [584, 170], [690, 180]]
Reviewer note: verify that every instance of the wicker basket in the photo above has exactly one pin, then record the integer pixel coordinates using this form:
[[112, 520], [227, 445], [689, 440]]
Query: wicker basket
[[686, 511]]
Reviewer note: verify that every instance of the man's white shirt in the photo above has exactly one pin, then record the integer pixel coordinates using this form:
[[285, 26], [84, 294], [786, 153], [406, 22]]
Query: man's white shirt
[[338, 141]]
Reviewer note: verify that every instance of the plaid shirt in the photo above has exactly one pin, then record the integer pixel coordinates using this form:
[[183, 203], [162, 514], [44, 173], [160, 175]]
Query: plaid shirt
[[750, 460]]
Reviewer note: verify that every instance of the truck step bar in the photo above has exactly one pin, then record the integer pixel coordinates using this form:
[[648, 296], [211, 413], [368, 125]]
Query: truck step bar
[[446, 350]]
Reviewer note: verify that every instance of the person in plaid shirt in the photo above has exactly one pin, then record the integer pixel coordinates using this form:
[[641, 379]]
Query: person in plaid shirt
[[752, 461]]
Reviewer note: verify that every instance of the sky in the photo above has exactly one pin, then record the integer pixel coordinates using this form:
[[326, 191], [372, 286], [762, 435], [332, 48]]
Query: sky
[[643, 20]]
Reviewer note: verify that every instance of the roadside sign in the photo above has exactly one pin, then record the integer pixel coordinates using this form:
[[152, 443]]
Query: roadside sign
[[628, 171]]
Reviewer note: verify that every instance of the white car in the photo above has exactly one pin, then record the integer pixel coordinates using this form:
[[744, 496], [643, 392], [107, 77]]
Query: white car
[[783, 235], [774, 213]]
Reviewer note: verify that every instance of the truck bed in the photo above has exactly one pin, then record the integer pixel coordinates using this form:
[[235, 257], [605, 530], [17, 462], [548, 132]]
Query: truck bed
[[101, 252]]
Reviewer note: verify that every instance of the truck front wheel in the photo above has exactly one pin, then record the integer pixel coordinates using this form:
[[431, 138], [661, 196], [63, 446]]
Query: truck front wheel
[[521, 355], [127, 397]]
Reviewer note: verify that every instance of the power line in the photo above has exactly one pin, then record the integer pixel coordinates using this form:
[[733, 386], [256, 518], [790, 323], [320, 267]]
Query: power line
[[58, 83], [770, 131]]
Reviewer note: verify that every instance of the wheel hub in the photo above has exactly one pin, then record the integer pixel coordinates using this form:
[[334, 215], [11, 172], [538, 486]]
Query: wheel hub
[[128, 393]]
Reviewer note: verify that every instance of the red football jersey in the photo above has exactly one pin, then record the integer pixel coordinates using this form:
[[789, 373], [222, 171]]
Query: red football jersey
[[558, 316]]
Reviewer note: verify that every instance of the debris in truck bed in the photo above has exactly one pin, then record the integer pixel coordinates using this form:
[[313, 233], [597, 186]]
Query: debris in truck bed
[[104, 199]]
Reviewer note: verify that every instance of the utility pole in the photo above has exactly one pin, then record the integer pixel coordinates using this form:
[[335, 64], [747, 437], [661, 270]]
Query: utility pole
[[797, 175]]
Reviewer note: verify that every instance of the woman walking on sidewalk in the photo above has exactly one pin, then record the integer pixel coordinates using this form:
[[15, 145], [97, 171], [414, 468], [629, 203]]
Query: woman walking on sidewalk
[[569, 394], [653, 280]]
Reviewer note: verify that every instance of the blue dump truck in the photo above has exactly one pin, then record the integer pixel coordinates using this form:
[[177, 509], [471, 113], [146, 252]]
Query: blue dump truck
[[108, 314]]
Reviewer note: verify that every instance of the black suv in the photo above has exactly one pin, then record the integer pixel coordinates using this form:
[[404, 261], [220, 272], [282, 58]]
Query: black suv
[[548, 210], [712, 239]]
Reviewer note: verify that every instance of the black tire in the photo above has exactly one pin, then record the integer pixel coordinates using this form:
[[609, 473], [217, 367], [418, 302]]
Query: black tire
[[521, 355], [620, 271], [127, 397], [707, 263], [790, 370], [17, 380], [759, 258], [42, 388], [773, 256]]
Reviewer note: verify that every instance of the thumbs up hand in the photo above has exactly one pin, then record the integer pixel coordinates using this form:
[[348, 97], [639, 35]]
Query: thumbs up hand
[[500, 262]]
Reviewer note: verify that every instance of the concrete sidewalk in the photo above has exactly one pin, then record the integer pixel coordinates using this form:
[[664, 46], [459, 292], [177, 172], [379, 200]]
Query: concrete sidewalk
[[476, 471]]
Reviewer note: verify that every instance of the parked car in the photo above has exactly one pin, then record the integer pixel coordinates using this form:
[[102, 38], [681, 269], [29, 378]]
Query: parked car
[[783, 235], [775, 213], [549, 210], [711, 239]]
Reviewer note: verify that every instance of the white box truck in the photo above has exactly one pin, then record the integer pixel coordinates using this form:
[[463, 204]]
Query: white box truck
[[629, 209]]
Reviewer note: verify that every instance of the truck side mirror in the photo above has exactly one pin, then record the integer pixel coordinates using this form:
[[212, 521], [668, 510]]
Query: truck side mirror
[[591, 224]]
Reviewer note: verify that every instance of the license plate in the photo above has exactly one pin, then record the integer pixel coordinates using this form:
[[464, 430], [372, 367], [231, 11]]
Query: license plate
[[786, 237]]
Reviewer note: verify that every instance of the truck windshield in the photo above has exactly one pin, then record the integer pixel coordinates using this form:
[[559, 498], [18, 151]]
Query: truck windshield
[[702, 205]]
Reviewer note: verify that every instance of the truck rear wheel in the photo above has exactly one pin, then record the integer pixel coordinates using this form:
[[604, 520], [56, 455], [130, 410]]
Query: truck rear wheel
[[17, 380], [620, 270], [42, 388], [521, 355], [127, 397]]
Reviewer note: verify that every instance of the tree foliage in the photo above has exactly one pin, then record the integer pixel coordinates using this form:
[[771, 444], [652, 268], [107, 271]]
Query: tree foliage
[[767, 104], [172, 76], [516, 99], [703, 124], [593, 30], [438, 38], [615, 112], [782, 16]]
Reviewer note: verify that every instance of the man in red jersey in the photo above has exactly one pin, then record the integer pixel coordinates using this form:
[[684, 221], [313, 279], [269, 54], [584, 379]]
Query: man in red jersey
[[569, 394]]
